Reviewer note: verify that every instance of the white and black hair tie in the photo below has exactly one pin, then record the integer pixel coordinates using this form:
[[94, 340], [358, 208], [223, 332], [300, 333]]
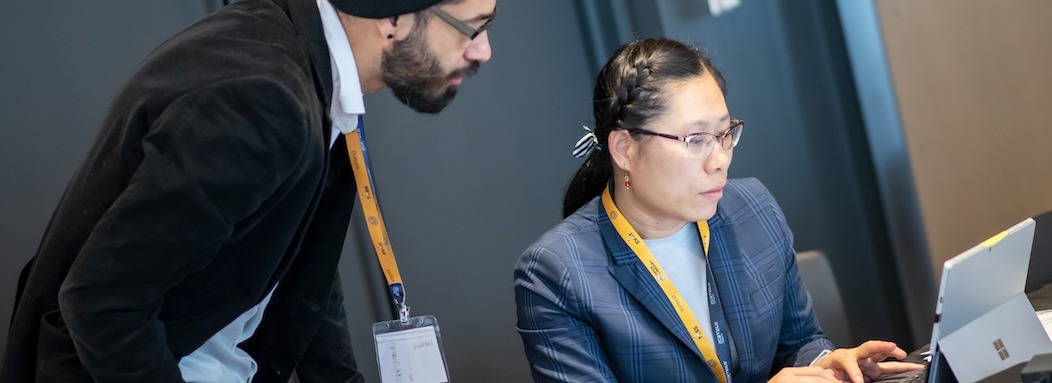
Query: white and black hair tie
[[587, 144]]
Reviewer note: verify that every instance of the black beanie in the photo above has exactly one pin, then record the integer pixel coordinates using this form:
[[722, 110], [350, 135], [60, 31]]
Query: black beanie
[[378, 9]]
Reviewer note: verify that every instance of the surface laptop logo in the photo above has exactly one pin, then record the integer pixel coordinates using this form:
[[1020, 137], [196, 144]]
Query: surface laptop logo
[[1001, 350]]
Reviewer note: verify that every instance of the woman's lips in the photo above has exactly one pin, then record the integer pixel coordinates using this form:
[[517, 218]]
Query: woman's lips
[[714, 193]]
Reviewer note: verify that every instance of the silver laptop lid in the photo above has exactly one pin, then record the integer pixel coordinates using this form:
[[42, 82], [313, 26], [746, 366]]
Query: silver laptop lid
[[982, 278]]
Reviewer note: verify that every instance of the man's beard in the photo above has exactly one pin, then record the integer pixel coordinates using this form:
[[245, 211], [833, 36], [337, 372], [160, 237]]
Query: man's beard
[[415, 75]]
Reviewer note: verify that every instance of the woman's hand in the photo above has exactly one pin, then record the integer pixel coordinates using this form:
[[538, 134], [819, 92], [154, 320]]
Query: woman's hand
[[863, 363], [804, 374]]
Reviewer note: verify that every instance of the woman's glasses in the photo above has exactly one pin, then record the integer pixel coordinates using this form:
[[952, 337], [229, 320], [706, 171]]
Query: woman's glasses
[[700, 145]]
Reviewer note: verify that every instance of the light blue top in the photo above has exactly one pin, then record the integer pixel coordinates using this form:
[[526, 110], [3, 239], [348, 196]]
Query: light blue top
[[680, 255]]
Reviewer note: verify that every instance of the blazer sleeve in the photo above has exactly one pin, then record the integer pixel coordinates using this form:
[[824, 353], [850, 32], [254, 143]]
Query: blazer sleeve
[[560, 345], [800, 339], [801, 336], [211, 159], [329, 357]]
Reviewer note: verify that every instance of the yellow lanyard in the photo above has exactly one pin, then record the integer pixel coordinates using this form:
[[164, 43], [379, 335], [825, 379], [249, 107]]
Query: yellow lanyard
[[635, 242], [377, 230]]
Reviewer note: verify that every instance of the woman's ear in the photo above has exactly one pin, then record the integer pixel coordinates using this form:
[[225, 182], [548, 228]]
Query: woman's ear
[[623, 148]]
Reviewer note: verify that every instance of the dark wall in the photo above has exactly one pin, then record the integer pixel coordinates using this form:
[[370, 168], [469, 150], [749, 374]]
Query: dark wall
[[61, 64], [463, 192], [466, 191]]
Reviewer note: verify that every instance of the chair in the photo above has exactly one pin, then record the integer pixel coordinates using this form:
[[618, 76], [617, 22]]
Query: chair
[[1040, 272], [825, 296]]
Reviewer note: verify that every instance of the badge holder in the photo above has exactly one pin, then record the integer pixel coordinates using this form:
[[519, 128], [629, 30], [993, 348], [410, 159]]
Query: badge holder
[[409, 349]]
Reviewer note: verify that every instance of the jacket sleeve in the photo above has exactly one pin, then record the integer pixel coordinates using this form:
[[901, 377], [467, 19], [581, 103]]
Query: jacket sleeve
[[329, 357], [560, 345], [800, 339], [211, 159]]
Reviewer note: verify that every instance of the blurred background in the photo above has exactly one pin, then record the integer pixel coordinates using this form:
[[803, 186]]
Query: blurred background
[[894, 134]]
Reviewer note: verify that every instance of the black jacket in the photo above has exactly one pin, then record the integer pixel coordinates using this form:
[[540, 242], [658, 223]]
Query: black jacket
[[211, 180]]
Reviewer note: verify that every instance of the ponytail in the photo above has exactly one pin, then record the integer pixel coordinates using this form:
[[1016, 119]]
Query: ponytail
[[588, 181]]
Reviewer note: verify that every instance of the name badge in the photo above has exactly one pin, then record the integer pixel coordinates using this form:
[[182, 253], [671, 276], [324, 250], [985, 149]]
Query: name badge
[[410, 351]]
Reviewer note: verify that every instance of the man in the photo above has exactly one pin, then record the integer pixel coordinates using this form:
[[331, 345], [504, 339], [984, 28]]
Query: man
[[219, 188]]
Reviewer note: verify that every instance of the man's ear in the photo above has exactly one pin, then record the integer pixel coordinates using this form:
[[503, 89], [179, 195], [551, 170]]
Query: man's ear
[[397, 27], [623, 148]]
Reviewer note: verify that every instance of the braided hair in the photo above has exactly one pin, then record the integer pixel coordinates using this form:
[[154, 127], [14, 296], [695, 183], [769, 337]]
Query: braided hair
[[629, 93]]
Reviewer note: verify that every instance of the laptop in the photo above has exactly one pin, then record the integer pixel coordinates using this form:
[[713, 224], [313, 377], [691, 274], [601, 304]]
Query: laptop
[[983, 321]]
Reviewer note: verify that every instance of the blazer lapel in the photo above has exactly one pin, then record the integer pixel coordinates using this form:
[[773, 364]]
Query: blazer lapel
[[307, 19], [733, 285], [634, 278]]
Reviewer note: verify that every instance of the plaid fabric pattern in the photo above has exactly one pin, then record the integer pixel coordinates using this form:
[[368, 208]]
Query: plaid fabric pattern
[[588, 311]]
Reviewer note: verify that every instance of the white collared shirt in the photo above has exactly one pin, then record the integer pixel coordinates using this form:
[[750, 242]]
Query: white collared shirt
[[219, 359], [347, 100]]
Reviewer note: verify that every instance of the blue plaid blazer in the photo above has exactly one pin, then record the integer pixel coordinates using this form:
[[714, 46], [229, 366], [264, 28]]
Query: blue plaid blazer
[[588, 310]]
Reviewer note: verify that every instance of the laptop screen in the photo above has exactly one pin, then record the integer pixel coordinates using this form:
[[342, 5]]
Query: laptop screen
[[974, 283], [982, 278]]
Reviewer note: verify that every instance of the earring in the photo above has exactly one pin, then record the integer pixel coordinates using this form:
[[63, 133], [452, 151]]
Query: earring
[[628, 185]]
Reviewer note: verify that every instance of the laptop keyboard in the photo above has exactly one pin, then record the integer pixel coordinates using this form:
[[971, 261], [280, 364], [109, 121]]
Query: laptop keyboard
[[917, 376]]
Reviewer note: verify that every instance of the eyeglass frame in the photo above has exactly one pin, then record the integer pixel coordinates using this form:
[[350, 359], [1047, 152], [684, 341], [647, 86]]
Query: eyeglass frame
[[461, 26], [735, 124]]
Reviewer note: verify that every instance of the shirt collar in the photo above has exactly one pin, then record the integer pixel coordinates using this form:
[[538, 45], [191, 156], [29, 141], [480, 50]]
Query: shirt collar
[[347, 100]]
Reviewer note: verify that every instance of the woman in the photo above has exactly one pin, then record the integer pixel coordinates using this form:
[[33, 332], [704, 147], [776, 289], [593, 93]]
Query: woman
[[622, 289]]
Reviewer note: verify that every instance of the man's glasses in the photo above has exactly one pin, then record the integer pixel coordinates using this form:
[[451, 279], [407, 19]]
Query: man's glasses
[[467, 30], [700, 145]]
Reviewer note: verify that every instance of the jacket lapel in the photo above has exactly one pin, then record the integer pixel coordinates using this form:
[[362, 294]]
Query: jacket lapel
[[634, 278], [307, 19], [307, 22], [731, 283]]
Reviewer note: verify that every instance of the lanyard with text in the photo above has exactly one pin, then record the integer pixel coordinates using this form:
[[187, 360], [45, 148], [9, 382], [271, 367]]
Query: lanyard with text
[[409, 348], [713, 359], [371, 208]]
